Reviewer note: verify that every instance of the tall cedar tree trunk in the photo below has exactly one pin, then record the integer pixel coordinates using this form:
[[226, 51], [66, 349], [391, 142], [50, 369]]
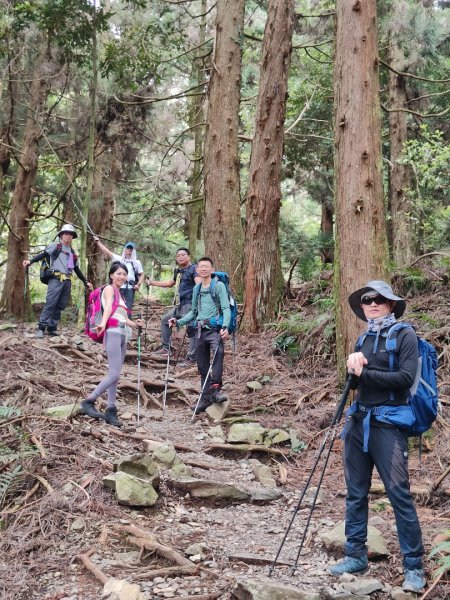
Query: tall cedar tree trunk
[[195, 209], [105, 190], [361, 246], [262, 268], [222, 220], [403, 238], [15, 297]]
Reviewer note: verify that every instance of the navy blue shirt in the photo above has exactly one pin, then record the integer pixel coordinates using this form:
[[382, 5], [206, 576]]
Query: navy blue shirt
[[185, 278]]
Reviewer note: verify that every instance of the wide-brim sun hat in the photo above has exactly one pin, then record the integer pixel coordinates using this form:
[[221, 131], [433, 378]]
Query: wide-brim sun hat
[[382, 288], [68, 228]]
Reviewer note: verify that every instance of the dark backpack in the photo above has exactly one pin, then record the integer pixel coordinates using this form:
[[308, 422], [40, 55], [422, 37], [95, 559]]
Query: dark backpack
[[421, 411], [217, 321], [45, 271], [94, 313]]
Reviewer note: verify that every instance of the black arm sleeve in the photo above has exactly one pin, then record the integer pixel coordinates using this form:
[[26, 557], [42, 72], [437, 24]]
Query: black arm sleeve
[[79, 274], [39, 257]]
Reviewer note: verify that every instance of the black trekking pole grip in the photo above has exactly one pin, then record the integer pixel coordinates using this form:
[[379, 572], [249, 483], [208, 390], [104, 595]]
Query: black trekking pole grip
[[139, 326]]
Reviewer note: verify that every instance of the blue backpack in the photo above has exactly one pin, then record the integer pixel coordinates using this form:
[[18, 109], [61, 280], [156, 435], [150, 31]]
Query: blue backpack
[[418, 415], [217, 321]]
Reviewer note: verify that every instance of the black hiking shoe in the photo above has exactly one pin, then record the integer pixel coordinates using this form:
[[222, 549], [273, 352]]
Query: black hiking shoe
[[39, 333], [111, 417], [88, 408], [217, 395], [52, 332], [204, 403]]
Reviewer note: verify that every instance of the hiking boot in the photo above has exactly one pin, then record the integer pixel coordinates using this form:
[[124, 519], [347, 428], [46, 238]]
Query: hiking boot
[[162, 352], [414, 580], [111, 417], [349, 564], [52, 332], [39, 333], [88, 408], [205, 402], [217, 395], [187, 363]]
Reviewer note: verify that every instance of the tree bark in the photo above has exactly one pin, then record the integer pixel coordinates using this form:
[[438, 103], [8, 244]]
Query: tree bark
[[195, 210], [15, 296], [262, 269], [361, 246], [222, 219], [402, 228]]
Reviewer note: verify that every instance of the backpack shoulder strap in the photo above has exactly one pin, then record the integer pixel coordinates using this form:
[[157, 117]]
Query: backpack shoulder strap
[[195, 297], [212, 290]]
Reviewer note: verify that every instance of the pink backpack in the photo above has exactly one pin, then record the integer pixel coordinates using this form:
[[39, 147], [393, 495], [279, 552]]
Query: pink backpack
[[95, 313]]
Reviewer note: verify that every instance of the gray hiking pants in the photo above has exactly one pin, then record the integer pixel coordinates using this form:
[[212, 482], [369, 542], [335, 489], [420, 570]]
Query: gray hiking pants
[[116, 347], [178, 312], [58, 294]]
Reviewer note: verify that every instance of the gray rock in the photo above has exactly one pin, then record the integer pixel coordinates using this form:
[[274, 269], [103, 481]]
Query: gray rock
[[334, 539], [363, 586], [398, 594], [201, 488], [267, 589], [264, 494], [263, 473], [254, 386], [64, 411], [218, 410], [165, 454], [180, 469], [139, 465], [120, 589], [252, 433], [217, 433], [277, 436], [131, 491]]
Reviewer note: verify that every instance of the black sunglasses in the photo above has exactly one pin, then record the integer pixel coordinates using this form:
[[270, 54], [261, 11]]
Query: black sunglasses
[[367, 300]]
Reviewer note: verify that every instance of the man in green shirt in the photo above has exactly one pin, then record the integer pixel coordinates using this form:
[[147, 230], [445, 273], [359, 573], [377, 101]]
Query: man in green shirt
[[212, 329]]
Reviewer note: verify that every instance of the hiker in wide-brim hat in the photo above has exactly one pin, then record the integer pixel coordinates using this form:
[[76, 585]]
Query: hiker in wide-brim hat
[[369, 441], [59, 264], [375, 288]]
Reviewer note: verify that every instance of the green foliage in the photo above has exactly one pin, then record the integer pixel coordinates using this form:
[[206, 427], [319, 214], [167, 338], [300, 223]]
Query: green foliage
[[443, 550], [6, 412], [429, 157], [288, 344], [7, 479]]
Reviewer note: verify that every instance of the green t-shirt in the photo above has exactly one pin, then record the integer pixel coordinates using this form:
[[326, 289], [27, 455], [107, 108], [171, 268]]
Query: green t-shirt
[[206, 305]]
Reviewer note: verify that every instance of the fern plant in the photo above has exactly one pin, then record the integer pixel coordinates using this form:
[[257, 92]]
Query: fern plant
[[443, 549], [7, 479], [7, 412]]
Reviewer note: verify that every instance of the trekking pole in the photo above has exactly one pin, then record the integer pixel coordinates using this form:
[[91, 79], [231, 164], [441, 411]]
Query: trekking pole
[[167, 377], [179, 349], [333, 429], [139, 372], [206, 381], [146, 315]]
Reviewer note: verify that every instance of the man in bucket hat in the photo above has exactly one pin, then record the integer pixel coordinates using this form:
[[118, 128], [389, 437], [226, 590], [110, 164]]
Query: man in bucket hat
[[387, 446], [62, 264]]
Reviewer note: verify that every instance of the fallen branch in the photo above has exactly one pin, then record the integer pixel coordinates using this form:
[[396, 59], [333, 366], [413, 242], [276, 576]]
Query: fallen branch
[[439, 480], [245, 448], [167, 572], [87, 562], [145, 539], [378, 488]]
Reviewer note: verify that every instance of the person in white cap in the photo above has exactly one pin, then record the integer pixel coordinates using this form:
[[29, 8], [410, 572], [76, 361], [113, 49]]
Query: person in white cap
[[62, 264], [370, 442], [134, 267]]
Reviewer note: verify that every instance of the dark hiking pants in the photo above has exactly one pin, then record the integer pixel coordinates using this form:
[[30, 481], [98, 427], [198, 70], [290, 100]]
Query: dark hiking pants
[[58, 294], [206, 345], [388, 452], [177, 312]]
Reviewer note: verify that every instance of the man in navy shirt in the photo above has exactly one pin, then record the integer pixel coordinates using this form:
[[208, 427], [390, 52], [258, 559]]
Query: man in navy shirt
[[185, 277]]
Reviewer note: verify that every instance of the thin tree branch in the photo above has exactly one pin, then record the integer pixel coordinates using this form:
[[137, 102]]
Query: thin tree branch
[[403, 74], [414, 112]]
